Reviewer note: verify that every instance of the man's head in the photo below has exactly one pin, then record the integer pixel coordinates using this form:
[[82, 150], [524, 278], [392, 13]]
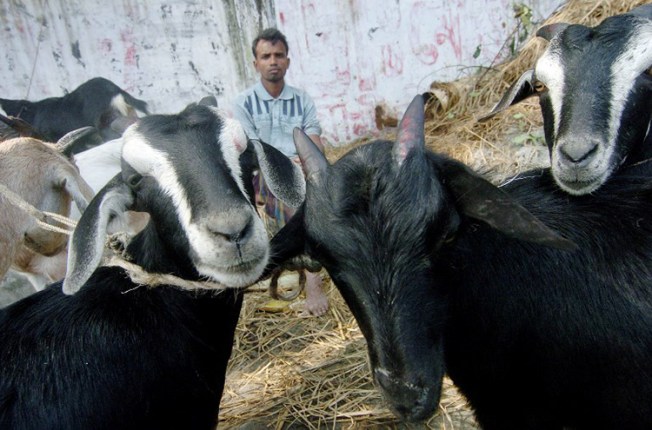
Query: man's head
[[270, 49]]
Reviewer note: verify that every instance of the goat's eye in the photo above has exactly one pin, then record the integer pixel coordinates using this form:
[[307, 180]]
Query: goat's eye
[[134, 180], [450, 238], [648, 71], [539, 86]]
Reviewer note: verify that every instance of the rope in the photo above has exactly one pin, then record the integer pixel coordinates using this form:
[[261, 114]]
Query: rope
[[39, 216], [142, 278], [38, 49]]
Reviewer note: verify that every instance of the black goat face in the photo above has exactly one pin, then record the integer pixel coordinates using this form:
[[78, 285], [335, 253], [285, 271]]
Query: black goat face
[[185, 170], [598, 98], [382, 268], [595, 92], [195, 192], [379, 219], [374, 219]]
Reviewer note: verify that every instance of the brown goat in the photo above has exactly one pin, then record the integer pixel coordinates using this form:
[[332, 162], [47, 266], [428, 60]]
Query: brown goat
[[46, 179]]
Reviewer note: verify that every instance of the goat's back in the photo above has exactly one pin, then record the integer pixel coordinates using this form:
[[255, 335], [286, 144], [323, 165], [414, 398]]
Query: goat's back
[[549, 330], [112, 362]]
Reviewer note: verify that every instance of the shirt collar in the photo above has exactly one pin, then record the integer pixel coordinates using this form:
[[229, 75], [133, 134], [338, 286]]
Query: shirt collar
[[286, 93]]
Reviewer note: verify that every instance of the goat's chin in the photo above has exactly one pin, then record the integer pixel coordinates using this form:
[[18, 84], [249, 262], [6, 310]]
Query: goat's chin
[[582, 179], [577, 187], [239, 275]]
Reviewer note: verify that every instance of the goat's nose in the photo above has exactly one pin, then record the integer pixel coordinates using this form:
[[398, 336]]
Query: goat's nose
[[231, 229], [405, 399], [578, 151]]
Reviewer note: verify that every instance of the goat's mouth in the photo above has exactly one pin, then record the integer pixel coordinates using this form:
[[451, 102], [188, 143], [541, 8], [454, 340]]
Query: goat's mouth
[[241, 273], [409, 402], [580, 180], [579, 187]]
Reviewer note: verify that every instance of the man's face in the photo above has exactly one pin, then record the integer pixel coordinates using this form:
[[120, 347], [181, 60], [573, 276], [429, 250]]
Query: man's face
[[271, 60]]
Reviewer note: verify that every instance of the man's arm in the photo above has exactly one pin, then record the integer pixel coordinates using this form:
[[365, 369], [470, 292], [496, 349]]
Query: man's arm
[[310, 122]]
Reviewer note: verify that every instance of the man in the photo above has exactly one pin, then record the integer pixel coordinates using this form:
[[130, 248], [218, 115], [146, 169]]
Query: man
[[269, 111]]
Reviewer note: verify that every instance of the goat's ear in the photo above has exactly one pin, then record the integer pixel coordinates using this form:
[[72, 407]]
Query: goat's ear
[[551, 30], [122, 123], [522, 89], [411, 133], [208, 101], [282, 176], [86, 245], [644, 11], [79, 140], [480, 199], [313, 161], [78, 189]]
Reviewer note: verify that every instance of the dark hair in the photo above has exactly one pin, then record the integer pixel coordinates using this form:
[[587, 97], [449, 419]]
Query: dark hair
[[270, 35]]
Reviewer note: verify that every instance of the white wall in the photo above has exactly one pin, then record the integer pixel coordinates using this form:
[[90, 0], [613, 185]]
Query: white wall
[[349, 54]]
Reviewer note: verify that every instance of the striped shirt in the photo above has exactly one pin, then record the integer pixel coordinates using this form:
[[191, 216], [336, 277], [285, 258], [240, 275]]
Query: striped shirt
[[273, 120]]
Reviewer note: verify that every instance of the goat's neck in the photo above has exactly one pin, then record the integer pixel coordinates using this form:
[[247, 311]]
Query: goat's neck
[[150, 250], [641, 153]]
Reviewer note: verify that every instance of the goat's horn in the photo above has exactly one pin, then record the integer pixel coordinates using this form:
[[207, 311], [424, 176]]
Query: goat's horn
[[69, 139], [23, 128]]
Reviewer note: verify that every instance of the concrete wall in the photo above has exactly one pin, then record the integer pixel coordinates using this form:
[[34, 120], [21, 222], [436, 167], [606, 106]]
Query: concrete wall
[[351, 55]]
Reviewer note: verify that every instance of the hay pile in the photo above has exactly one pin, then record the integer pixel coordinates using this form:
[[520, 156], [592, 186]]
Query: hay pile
[[289, 371]]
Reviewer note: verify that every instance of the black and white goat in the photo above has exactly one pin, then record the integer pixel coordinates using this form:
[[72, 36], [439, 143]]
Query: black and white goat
[[97, 102], [445, 272], [114, 355], [595, 89]]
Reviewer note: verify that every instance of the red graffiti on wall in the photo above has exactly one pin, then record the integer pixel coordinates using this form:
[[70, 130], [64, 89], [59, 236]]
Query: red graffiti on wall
[[451, 34], [392, 62], [425, 43], [130, 55]]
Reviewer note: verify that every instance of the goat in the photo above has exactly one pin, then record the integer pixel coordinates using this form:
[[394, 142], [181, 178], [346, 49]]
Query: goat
[[43, 177], [444, 272], [97, 166], [97, 102], [116, 355], [595, 90]]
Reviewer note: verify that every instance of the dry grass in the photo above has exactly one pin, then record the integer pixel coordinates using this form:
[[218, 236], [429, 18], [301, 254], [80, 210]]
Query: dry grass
[[292, 372]]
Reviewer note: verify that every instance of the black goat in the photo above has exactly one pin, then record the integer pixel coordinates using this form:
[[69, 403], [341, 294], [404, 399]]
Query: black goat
[[595, 89], [445, 272], [116, 355], [98, 102]]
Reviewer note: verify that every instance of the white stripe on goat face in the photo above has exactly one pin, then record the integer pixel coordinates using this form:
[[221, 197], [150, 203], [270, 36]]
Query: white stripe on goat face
[[632, 62], [233, 142], [549, 69], [149, 161]]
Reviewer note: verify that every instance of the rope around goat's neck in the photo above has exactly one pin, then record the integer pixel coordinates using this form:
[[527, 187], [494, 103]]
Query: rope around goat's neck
[[142, 278], [117, 244], [38, 215]]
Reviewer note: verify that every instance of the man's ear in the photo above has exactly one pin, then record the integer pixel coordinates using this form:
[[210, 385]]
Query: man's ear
[[288, 62]]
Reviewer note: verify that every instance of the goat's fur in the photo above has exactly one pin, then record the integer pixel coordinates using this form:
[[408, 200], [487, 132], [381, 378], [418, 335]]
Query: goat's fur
[[97, 166], [45, 179], [446, 273], [100, 352], [97, 102], [595, 89]]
